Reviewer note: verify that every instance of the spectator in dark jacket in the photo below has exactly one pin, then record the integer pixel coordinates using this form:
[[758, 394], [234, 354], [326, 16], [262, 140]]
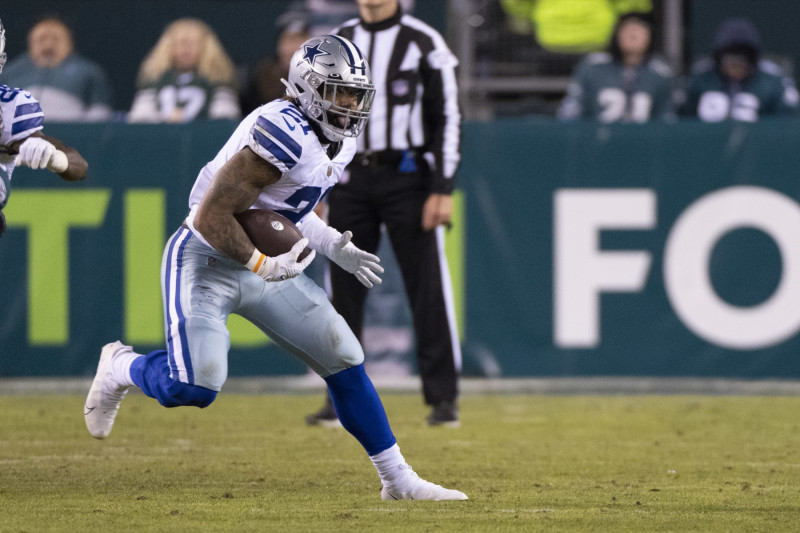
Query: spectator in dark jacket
[[736, 82]]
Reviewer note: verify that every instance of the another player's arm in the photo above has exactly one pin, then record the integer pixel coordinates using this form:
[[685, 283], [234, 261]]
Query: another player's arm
[[77, 166], [235, 187]]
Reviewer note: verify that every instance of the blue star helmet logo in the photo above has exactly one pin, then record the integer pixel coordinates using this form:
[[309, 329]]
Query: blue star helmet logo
[[311, 53]]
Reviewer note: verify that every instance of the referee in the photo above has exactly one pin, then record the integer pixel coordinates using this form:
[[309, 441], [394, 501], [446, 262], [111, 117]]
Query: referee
[[402, 176]]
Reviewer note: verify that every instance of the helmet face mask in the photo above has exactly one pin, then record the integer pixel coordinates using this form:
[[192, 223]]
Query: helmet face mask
[[346, 107], [332, 82], [3, 56]]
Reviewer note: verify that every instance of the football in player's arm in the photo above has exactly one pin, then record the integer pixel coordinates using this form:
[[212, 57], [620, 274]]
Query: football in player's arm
[[284, 156]]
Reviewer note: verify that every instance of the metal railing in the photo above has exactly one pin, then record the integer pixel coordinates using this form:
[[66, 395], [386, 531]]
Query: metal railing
[[499, 66]]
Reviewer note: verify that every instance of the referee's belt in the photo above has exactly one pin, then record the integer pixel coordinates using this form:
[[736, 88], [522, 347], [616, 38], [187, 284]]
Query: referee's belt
[[385, 158]]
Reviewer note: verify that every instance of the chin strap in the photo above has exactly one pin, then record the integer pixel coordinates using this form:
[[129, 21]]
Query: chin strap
[[289, 89]]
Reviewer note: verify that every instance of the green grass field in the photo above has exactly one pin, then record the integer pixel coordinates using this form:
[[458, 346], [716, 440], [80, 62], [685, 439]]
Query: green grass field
[[528, 463]]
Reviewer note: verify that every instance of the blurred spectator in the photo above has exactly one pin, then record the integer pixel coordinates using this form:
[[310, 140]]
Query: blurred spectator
[[263, 81], [187, 76], [69, 87], [577, 26], [736, 82], [626, 84], [325, 15]]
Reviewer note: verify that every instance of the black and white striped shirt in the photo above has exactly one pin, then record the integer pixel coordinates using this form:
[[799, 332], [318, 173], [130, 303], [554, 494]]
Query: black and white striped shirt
[[416, 97]]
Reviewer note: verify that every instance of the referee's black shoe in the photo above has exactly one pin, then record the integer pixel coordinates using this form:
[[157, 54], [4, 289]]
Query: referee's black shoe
[[325, 417], [444, 414]]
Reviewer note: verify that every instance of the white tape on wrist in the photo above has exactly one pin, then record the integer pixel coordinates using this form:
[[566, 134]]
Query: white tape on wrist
[[58, 163], [255, 261]]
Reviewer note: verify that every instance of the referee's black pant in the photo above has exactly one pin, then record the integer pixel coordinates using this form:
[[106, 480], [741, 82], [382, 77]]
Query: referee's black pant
[[378, 192]]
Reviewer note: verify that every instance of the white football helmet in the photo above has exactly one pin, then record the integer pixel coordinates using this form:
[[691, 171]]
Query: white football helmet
[[322, 69], [2, 46]]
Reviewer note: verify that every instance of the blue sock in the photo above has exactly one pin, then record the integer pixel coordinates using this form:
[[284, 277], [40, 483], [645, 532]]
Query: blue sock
[[360, 409]]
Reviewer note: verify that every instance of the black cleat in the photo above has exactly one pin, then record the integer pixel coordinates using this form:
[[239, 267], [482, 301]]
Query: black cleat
[[325, 417], [444, 414]]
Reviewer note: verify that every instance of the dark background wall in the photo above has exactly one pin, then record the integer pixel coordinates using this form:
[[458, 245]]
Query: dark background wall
[[118, 34], [777, 21], [105, 285]]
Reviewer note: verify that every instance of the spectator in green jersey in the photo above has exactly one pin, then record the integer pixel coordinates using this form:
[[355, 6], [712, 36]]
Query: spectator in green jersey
[[736, 82], [627, 83], [187, 76]]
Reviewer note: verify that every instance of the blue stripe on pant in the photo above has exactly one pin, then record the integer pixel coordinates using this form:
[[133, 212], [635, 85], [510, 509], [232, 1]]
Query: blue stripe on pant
[[173, 311], [158, 373]]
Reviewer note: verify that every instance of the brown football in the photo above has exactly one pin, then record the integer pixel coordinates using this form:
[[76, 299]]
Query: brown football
[[273, 234]]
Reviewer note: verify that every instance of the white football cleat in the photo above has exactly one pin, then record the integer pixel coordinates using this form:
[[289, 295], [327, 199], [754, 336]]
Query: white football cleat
[[411, 487], [102, 402]]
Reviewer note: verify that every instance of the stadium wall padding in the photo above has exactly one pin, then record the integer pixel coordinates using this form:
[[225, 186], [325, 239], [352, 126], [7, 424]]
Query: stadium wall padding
[[579, 250]]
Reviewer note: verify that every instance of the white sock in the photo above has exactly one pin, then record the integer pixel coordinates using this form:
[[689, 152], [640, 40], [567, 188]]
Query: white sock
[[121, 366], [388, 463]]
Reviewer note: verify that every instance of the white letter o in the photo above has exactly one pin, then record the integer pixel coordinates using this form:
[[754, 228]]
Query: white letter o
[[686, 268]]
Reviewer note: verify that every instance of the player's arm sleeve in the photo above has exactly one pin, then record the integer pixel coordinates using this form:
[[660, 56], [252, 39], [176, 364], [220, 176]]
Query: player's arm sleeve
[[28, 117], [442, 115], [321, 236], [271, 139]]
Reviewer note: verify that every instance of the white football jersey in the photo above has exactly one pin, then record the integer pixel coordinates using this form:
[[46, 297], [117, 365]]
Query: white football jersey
[[279, 132], [20, 116]]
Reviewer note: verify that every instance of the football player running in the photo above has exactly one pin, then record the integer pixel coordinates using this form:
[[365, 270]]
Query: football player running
[[22, 141], [285, 156]]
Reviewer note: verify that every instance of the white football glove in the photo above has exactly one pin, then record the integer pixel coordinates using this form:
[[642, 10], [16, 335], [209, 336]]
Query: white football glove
[[362, 264], [36, 153], [283, 266]]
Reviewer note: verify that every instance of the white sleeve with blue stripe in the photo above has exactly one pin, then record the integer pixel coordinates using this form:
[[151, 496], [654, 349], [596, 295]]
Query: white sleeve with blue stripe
[[277, 140], [24, 112]]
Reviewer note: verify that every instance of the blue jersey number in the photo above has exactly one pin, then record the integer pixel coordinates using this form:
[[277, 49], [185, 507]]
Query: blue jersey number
[[7, 94], [308, 195], [298, 117]]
